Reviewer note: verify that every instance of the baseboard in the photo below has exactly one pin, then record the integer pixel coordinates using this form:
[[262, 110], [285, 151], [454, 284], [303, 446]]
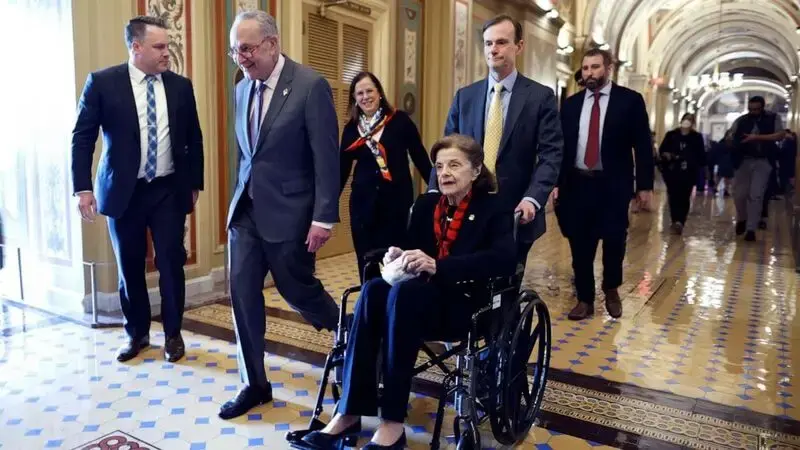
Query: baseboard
[[199, 291]]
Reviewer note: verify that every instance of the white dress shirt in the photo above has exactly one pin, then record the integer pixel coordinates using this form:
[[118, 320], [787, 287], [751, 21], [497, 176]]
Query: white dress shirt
[[164, 165], [271, 83], [583, 131]]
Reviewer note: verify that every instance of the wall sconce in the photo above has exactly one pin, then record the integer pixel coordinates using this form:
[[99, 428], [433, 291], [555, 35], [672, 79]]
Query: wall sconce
[[605, 47], [552, 14], [565, 50]]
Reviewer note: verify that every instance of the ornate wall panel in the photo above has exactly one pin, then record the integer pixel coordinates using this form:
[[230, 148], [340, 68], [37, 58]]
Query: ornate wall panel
[[460, 45], [177, 14], [409, 67]]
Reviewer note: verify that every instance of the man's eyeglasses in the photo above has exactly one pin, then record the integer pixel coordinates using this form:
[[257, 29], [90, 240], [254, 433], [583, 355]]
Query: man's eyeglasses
[[245, 50]]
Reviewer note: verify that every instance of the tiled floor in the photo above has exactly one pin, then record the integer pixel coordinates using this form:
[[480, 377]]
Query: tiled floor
[[61, 387]]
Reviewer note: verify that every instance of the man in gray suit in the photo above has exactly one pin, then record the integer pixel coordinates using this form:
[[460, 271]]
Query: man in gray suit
[[516, 121], [286, 198]]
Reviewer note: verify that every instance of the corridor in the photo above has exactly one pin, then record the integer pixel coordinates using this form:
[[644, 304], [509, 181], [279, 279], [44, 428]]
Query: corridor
[[702, 357]]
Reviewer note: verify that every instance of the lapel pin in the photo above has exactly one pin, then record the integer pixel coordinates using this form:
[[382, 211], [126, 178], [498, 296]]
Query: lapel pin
[[285, 92], [471, 217]]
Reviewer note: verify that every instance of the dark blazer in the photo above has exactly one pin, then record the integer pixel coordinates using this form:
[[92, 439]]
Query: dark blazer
[[484, 247], [626, 130], [531, 147], [293, 164], [107, 102], [401, 139], [626, 127], [694, 154]]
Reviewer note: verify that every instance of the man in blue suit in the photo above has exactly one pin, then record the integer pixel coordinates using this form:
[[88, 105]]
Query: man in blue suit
[[516, 120], [149, 176], [287, 194]]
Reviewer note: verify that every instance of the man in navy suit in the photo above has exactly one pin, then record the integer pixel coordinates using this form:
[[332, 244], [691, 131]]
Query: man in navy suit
[[516, 120], [286, 198], [149, 176], [601, 125]]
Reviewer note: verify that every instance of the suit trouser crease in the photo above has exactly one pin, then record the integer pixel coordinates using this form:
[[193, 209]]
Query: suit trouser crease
[[292, 270], [395, 321], [153, 205], [750, 184]]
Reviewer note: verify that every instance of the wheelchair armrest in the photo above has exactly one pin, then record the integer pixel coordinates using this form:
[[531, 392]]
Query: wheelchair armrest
[[375, 255]]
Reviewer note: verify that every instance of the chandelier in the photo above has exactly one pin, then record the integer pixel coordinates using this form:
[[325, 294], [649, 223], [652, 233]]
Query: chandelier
[[716, 81]]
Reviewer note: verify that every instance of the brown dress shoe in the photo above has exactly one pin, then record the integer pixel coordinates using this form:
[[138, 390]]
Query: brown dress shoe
[[581, 311], [613, 303]]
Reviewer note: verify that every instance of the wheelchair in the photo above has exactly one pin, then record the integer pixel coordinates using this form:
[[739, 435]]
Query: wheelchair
[[491, 380]]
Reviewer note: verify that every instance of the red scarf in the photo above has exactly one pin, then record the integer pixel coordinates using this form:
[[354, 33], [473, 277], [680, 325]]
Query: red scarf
[[379, 151], [446, 230]]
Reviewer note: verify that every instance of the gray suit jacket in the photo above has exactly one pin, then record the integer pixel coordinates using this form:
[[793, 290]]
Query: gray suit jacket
[[530, 150], [294, 167]]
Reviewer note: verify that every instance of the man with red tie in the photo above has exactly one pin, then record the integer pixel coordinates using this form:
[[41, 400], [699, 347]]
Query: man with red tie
[[601, 125]]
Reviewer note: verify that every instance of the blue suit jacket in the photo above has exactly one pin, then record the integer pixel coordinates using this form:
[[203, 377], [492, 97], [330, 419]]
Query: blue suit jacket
[[531, 147], [294, 165], [107, 102]]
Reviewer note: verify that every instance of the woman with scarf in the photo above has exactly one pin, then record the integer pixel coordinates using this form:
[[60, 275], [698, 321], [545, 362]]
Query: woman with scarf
[[459, 234], [379, 139]]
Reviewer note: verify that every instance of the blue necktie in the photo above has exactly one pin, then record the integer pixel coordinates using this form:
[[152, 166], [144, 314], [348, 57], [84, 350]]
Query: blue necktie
[[255, 121], [152, 131]]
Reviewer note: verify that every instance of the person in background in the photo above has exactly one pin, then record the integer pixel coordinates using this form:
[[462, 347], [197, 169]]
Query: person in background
[[682, 154], [787, 161], [149, 176], [380, 140], [602, 124], [753, 138], [721, 156]]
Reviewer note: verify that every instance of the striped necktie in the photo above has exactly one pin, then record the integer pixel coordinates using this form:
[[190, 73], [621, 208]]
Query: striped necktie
[[255, 120], [152, 131]]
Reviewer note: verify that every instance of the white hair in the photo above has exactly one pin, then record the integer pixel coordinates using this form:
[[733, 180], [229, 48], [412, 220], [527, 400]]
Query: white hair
[[265, 22]]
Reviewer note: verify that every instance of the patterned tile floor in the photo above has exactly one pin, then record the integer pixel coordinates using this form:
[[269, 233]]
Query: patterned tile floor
[[61, 387]]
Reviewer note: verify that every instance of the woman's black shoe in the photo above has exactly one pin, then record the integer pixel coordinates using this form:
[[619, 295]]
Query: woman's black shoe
[[317, 440], [399, 445]]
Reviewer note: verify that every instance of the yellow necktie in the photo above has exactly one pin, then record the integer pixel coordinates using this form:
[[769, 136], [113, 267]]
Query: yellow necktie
[[494, 129]]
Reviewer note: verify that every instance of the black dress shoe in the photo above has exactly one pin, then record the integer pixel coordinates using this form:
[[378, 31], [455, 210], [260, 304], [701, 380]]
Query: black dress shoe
[[399, 445], [317, 440], [174, 348], [247, 399], [132, 348], [741, 227]]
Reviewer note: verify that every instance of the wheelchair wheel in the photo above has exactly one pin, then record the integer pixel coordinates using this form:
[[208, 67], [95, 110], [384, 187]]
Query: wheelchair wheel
[[516, 401]]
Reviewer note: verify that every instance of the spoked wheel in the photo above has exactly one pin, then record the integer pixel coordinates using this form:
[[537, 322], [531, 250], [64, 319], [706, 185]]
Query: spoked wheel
[[517, 399]]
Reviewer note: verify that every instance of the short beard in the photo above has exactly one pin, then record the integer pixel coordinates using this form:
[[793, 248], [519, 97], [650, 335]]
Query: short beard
[[592, 83]]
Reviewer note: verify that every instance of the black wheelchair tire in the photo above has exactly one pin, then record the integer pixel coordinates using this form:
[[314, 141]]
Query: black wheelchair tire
[[509, 424]]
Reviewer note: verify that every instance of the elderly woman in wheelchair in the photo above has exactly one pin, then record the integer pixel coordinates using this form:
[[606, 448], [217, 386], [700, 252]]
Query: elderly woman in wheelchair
[[458, 234]]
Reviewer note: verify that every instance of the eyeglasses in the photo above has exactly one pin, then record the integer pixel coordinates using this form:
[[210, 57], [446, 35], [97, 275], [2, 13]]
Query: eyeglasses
[[246, 50]]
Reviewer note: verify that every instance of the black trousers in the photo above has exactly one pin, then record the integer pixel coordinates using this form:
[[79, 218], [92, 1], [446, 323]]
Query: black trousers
[[584, 249], [153, 205], [397, 320], [679, 195], [292, 266]]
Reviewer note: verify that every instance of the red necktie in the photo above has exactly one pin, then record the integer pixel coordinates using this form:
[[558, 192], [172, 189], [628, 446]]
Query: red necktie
[[592, 155]]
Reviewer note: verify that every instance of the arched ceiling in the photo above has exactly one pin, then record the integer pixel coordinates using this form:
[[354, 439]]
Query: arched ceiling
[[754, 84], [687, 37]]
